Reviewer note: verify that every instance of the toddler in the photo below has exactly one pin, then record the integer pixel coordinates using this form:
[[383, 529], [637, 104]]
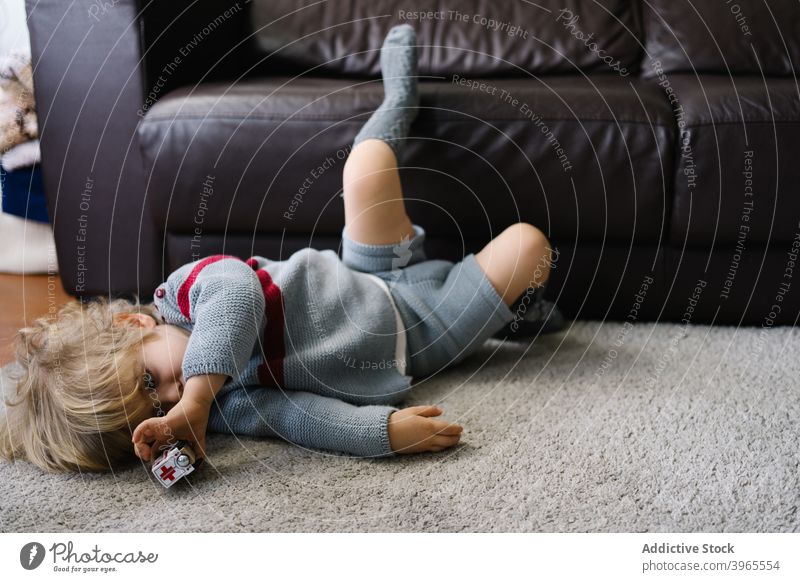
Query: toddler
[[315, 349]]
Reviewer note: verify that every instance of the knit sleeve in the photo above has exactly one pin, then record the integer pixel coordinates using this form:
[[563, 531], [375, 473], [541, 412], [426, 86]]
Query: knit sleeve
[[221, 300], [304, 418]]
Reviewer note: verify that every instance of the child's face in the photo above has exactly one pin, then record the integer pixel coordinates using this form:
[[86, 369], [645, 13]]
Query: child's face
[[163, 358]]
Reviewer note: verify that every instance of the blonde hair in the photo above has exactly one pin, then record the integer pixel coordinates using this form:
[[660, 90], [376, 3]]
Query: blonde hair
[[81, 390]]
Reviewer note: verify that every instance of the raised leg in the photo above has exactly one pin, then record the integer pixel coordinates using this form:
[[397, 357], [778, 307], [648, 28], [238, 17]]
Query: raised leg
[[374, 210], [373, 198], [518, 258]]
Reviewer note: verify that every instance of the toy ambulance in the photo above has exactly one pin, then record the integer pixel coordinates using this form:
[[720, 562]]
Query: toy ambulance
[[174, 463]]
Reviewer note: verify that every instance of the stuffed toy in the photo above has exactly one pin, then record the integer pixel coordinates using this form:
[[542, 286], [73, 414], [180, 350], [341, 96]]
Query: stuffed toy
[[18, 121]]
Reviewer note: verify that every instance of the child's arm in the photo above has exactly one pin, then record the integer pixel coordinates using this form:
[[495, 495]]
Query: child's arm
[[187, 420], [223, 299], [304, 418], [320, 422]]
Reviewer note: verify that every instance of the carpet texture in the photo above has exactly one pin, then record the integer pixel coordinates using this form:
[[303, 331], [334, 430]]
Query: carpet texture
[[603, 428]]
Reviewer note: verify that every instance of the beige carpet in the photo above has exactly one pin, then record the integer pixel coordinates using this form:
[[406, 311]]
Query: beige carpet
[[602, 428]]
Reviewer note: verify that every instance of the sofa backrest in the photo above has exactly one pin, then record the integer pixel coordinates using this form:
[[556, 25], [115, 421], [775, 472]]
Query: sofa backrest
[[511, 38], [723, 36], [475, 37]]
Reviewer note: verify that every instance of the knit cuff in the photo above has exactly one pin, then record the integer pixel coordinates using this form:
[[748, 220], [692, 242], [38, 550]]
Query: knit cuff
[[373, 258], [387, 447], [376, 444], [477, 280], [198, 368]]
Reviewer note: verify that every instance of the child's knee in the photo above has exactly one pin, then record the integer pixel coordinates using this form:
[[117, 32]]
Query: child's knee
[[533, 247]]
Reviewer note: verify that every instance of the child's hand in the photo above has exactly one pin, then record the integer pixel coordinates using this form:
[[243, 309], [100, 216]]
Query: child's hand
[[187, 420], [412, 431]]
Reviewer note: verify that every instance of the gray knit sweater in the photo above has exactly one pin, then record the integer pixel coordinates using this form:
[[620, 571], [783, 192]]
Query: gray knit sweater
[[310, 347]]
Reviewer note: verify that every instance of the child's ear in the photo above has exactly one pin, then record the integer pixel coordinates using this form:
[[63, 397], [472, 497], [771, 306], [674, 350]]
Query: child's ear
[[137, 319]]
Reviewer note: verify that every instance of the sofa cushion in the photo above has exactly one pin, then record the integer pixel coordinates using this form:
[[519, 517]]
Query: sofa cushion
[[480, 37], [724, 36], [737, 173], [583, 158]]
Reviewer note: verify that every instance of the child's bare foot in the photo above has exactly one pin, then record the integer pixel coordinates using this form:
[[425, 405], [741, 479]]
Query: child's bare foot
[[411, 430]]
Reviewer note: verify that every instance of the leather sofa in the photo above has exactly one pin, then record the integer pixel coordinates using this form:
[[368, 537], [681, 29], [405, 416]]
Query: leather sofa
[[656, 143]]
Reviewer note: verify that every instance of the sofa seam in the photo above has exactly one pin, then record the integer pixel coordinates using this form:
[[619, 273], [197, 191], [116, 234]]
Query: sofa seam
[[665, 123]]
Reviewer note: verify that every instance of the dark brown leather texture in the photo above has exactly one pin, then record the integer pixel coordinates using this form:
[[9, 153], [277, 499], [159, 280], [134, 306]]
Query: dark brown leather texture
[[739, 129], [755, 37], [656, 143], [458, 133], [475, 37]]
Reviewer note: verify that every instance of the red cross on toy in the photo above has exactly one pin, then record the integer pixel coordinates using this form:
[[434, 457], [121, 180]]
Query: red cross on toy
[[168, 473]]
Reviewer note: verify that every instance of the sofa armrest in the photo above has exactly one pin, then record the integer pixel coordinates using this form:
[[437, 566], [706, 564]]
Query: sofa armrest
[[88, 85]]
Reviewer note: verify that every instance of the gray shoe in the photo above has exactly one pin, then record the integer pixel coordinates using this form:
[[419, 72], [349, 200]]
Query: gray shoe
[[540, 317]]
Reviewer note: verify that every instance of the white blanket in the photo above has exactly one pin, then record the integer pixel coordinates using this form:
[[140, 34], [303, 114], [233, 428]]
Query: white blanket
[[26, 246], [21, 156]]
